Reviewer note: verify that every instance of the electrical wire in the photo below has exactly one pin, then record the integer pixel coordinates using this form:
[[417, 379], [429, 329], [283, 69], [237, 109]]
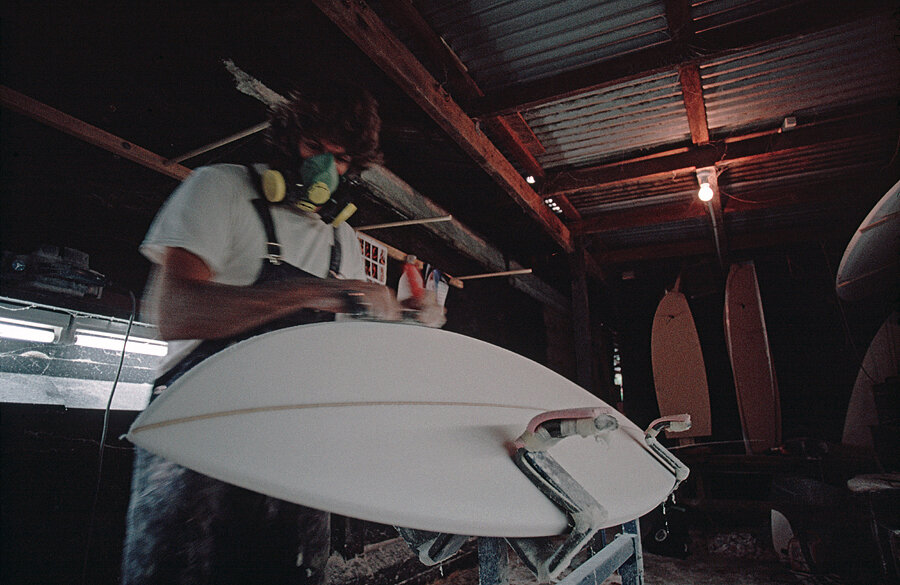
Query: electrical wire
[[103, 434]]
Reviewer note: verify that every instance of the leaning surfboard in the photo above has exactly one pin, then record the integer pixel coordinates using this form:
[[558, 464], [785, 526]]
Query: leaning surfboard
[[393, 423], [679, 373], [871, 263], [751, 360], [882, 361]]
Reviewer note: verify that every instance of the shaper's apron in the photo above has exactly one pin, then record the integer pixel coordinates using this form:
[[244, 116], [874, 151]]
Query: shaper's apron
[[188, 528]]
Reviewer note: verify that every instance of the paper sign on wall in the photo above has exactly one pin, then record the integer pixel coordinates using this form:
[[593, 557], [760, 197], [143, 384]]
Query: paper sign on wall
[[375, 257]]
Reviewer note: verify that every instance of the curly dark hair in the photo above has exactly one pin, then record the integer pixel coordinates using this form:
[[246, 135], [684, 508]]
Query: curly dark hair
[[344, 114]]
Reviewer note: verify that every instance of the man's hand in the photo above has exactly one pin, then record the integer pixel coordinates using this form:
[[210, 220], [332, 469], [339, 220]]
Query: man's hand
[[426, 309], [375, 300]]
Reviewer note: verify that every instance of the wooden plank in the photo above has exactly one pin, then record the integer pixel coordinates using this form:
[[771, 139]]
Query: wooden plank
[[365, 29], [54, 118], [694, 105]]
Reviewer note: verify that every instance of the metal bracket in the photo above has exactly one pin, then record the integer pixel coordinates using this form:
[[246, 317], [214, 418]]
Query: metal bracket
[[677, 423], [586, 515], [431, 547]]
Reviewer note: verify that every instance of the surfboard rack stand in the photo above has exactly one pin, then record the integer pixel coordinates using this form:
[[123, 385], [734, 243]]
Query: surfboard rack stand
[[586, 515], [543, 556]]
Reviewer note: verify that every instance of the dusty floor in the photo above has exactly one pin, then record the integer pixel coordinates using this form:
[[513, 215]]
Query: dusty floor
[[718, 566]]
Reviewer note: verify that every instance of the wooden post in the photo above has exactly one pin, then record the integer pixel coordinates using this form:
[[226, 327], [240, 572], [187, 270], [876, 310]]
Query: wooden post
[[581, 319]]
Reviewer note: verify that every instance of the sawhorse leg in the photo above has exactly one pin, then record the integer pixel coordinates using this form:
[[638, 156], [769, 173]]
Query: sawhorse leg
[[493, 562], [632, 571], [622, 554]]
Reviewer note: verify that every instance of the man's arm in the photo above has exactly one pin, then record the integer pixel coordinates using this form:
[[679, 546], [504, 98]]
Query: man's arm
[[185, 303]]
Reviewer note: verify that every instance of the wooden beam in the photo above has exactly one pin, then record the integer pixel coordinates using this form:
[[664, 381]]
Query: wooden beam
[[581, 320], [706, 247], [63, 122], [639, 217], [789, 21], [873, 117], [364, 28], [694, 104], [661, 214], [501, 128], [678, 17]]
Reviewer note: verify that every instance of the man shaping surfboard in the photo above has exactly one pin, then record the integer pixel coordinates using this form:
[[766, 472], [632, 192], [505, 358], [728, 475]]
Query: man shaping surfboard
[[238, 251]]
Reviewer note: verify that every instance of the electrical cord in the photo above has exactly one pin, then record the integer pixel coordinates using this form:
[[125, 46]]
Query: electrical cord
[[103, 434]]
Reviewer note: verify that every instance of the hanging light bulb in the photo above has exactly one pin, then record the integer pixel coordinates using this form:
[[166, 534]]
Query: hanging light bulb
[[704, 177]]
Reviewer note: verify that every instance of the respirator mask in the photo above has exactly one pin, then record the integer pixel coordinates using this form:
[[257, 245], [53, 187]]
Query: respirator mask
[[318, 188]]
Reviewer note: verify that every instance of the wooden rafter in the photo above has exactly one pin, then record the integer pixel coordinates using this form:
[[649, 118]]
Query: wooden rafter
[[694, 104], [63, 122], [694, 209], [706, 247], [875, 117], [366, 30]]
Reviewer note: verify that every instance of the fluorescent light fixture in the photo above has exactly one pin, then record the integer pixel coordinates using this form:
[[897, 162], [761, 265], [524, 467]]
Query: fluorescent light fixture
[[113, 342], [25, 331]]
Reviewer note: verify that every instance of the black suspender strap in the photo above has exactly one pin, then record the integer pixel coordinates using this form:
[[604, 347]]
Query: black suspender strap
[[273, 248], [334, 268]]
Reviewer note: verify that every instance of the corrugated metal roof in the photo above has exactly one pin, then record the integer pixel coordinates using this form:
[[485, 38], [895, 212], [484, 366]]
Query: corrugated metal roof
[[662, 233], [808, 74], [656, 190], [598, 125], [509, 41], [711, 14], [806, 168]]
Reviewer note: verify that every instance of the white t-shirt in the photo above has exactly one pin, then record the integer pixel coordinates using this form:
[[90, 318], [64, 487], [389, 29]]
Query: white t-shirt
[[211, 215]]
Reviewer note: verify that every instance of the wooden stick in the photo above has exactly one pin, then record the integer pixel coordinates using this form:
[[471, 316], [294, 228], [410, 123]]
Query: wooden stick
[[378, 226], [219, 143], [493, 274]]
